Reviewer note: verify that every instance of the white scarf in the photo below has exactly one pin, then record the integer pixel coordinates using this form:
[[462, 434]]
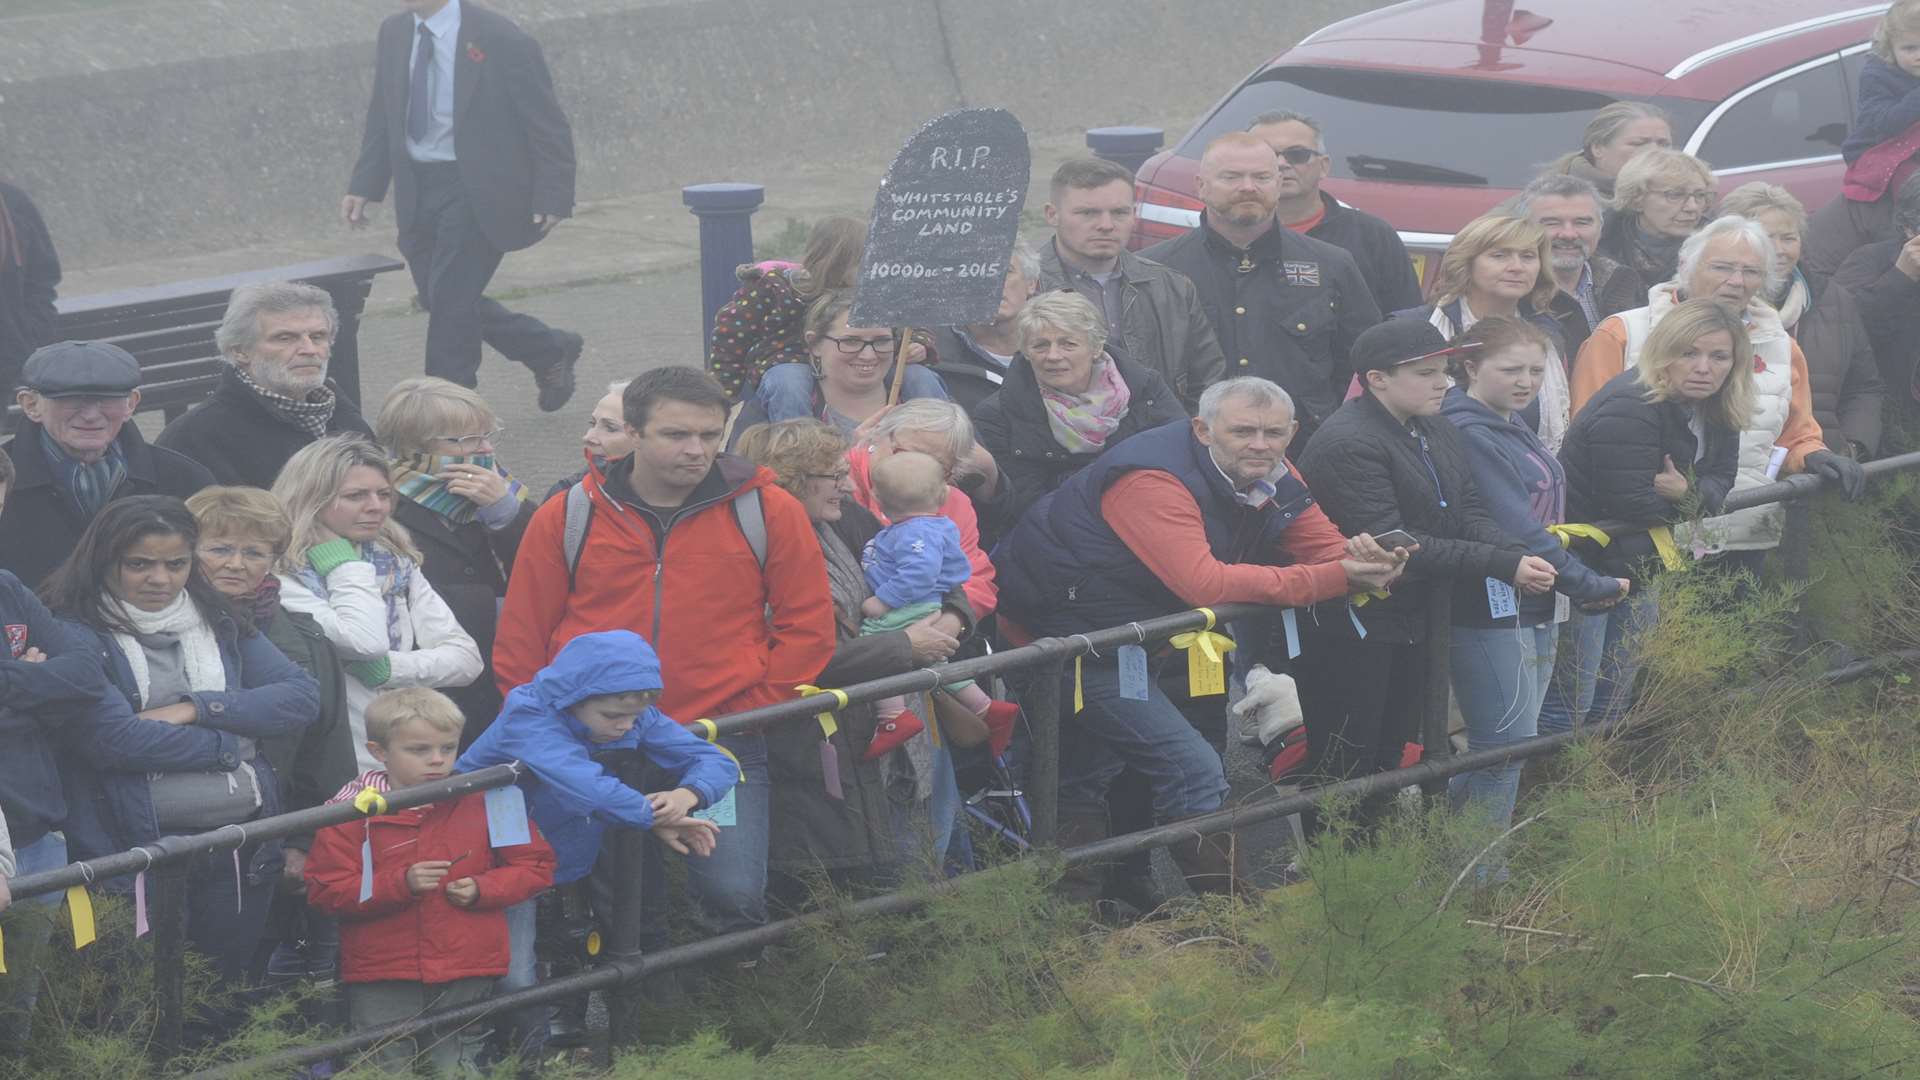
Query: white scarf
[[1556, 395], [199, 648]]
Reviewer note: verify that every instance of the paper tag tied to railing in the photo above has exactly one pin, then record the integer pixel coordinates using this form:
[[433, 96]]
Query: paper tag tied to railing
[[1206, 663], [829, 756], [80, 911], [1079, 691], [1132, 661], [507, 817]]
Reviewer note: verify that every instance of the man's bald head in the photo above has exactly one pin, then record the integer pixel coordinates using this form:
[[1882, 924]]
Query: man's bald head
[[1238, 180]]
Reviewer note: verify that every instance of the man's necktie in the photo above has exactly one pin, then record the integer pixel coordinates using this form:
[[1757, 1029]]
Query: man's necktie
[[419, 104]]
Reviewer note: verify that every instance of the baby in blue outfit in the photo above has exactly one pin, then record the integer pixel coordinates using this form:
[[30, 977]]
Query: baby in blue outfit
[[911, 565]]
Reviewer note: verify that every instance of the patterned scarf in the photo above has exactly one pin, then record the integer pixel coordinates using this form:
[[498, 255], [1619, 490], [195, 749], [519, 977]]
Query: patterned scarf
[[393, 573], [310, 416], [88, 483], [1082, 422], [415, 478]]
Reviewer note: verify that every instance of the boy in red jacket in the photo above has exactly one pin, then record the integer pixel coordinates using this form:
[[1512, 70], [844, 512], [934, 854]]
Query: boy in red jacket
[[426, 927]]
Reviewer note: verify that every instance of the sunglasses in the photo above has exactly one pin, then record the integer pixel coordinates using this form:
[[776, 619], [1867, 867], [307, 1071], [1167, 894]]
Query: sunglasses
[[1297, 155]]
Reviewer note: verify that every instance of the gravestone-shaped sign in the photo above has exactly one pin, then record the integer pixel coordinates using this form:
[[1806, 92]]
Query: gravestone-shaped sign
[[944, 223]]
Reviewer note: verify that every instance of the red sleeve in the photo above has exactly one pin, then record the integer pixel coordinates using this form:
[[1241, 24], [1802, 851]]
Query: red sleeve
[[1156, 517], [981, 591], [519, 872], [333, 876], [536, 599], [800, 605]]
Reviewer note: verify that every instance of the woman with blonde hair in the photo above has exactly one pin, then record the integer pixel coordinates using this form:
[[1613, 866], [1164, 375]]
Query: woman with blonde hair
[[463, 509], [1616, 135], [1498, 264], [1658, 445], [1659, 199], [356, 571]]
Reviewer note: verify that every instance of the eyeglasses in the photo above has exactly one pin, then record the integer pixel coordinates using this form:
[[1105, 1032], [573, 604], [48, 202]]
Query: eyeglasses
[[853, 346], [221, 553], [468, 443], [1728, 270], [1298, 155], [1677, 197], [838, 478], [79, 403]]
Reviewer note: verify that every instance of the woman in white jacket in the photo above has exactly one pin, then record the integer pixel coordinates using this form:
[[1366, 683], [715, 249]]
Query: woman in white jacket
[[354, 569]]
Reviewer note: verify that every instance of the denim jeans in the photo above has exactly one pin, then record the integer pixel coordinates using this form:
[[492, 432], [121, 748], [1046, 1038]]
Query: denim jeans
[[1599, 657], [786, 390], [1500, 676], [731, 884], [29, 926], [528, 1025], [1151, 737]]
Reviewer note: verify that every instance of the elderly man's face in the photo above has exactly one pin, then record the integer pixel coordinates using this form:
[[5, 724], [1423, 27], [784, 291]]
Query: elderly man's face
[[82, 426], [1247, 440], [1014, 294], [1730, 273], [290, 357]]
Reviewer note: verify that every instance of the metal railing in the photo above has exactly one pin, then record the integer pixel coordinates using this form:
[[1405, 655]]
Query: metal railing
[[623, 965]]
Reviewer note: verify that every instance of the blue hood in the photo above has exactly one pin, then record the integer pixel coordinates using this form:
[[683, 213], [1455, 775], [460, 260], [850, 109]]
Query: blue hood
[[605, 662], [1467, 411]]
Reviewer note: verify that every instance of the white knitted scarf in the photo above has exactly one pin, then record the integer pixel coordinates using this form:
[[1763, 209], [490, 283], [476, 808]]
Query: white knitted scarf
[[199, 648]]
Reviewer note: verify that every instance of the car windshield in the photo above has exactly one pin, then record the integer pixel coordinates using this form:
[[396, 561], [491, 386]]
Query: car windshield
[[1424, 129]]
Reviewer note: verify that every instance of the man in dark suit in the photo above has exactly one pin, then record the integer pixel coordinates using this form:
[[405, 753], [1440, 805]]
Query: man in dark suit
[[465, 125]]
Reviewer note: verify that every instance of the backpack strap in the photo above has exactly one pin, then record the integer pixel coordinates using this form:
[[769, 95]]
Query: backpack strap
[[579, 518], [753, 523]]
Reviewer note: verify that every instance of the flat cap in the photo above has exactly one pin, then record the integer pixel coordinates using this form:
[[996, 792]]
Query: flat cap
[[81, 368]]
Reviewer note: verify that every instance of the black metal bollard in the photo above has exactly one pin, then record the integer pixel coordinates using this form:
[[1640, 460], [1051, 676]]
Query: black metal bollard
[[726, 240], [1043, 704], [1126, 146], [168, 920], [623, 936]]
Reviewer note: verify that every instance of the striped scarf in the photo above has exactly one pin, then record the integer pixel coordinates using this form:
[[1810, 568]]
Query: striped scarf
[[415, 478], [311, 416]]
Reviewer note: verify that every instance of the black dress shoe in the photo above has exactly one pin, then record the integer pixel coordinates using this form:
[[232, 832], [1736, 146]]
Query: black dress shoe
[[556, 379]]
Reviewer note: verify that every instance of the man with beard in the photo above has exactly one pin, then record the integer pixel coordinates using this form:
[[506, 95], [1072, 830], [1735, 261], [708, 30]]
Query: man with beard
[[1569, 208], [1304, 208], [1285, 306], [274, 396]]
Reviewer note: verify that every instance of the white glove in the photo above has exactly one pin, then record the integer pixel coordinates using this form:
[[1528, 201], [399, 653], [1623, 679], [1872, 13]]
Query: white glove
[[1269, 708]]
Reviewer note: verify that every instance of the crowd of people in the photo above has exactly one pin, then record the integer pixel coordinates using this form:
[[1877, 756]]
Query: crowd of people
[[276, 603]]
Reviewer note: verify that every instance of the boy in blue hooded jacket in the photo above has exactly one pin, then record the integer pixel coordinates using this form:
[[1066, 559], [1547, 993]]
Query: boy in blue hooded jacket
[[597, 695]]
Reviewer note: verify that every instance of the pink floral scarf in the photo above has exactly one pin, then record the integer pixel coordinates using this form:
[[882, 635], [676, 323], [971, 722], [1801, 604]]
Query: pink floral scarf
[[1082, 422]]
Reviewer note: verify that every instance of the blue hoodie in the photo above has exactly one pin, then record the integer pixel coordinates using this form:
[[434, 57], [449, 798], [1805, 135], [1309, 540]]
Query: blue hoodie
[[571, 796], [1524, 490]]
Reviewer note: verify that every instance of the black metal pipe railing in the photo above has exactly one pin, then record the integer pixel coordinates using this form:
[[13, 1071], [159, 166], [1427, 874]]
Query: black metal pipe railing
[[170, 849], [617, 971]]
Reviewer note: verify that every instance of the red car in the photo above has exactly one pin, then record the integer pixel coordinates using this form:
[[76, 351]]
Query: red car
[[1436, 110]]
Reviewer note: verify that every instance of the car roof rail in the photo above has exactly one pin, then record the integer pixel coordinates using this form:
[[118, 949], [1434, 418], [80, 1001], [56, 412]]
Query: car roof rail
[[1728, 48]]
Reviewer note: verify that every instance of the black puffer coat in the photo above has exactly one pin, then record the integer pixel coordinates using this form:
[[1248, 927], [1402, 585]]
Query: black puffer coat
[[1012, 424], [1612, 453], [1842, 373], [1372, 474]]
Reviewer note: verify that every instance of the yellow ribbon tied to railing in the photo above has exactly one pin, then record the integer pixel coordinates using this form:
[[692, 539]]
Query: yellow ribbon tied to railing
[[1364, 598], [1572, 531], [828, 725], [1206, 666], [711, 733], [370, 802], [1670, 556]]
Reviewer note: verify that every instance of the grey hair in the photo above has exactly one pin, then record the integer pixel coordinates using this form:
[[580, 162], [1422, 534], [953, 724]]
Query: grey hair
[[1558, 185], [1026, 259], [1288, 116], [1906, 205], [1249, 388], [1065, 311], [1694, 248], [1757, 197], [931, 415], [240, 328]]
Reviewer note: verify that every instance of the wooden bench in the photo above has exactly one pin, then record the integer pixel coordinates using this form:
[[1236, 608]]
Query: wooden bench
[[169, 328]]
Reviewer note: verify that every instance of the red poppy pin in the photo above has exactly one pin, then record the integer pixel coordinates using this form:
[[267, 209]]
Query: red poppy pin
[[474, 54], [1759, 365]]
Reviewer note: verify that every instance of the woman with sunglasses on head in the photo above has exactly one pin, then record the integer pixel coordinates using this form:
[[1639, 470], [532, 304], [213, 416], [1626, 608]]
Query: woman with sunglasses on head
[[355, 570], [463, 509], [205, 691]]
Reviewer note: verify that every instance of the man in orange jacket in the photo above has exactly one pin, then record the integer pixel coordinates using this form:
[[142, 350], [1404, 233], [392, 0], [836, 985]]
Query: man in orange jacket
[[705, 556]]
